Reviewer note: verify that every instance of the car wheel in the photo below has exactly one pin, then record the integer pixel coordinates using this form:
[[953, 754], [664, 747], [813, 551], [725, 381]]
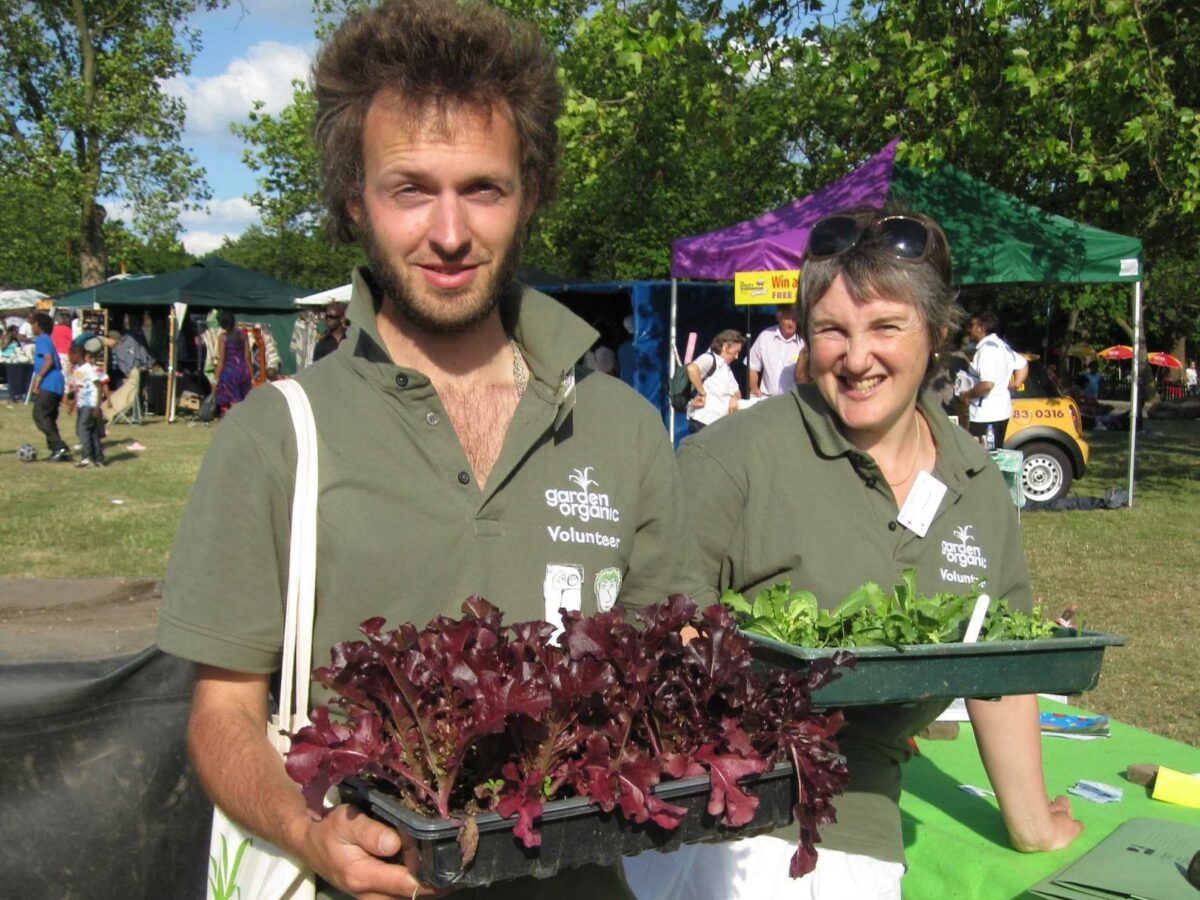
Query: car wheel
[[1045, 473]]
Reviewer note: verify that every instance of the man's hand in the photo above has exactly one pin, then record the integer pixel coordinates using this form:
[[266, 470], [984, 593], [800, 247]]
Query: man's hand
[[349, 849]]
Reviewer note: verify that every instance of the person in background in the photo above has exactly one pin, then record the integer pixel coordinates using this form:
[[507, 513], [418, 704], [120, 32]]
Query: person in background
[[47, 387], [854, 478], [1091, 381], [717, 389], [126, 353], [335, 332], [89, 388], [990, 403], [62, 335], [1189, 378], [774, 355], [452, 420], [232, 373]]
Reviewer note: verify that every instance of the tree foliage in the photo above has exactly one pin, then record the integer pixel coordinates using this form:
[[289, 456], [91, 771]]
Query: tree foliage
[[684, 116], [83, 112]]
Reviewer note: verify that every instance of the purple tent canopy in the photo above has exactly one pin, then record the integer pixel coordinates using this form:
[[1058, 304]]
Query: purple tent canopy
[[776, 240]]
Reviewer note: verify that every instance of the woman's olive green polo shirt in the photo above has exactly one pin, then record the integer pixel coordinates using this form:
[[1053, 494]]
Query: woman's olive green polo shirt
[[778, 494]]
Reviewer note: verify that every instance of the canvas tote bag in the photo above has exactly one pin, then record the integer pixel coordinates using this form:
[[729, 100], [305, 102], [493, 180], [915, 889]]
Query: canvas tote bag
[[243, 866]]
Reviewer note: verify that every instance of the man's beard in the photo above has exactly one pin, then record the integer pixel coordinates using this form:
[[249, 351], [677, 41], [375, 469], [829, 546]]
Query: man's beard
[[432, 318]]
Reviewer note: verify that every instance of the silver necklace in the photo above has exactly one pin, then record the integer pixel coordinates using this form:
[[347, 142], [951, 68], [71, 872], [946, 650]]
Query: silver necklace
[[916, 456], [520, 371]]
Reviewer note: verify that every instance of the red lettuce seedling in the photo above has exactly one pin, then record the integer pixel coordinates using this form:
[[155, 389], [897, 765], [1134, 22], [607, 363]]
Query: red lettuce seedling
[[473, 715]]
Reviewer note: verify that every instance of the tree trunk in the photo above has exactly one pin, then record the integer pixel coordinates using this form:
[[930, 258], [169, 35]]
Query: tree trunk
[[93, 257]]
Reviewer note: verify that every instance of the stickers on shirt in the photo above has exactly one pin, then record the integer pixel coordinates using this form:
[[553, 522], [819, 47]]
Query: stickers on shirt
[[562, 588], [584, 511], [606, 587], [964, 561]]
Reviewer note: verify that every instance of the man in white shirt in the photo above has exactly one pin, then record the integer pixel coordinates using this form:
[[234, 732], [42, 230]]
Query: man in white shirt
[[990, 404], [774, 355]]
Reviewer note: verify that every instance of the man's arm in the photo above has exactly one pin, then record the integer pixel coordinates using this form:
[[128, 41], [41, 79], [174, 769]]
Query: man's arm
[[755, 390], [244, 775], [1009, 736]]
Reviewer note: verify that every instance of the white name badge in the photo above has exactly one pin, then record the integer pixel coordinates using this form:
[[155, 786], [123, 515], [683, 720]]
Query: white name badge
[[922, 504]]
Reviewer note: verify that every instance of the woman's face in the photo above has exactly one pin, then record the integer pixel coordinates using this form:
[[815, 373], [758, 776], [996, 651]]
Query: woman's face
[[868, 360], [729, 352]]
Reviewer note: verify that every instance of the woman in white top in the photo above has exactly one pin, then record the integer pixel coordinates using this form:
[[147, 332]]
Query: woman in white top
[[717, 390]]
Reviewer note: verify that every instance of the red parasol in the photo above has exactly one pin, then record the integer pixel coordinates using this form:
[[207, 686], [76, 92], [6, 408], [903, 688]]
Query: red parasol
[[1117, 351], [1166, 360]]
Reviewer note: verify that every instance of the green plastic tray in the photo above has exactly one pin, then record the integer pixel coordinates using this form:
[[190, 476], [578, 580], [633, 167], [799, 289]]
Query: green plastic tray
[[1065, 664]]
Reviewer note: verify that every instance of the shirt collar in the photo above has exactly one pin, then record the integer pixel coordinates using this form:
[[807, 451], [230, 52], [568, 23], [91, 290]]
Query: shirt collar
[[829, 441], [552, 339]]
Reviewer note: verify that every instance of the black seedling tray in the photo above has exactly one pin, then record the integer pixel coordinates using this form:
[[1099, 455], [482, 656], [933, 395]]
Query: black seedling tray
[[574, 832], [1068, 663]]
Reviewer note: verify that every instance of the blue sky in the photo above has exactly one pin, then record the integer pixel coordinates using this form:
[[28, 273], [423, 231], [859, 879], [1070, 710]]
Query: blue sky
[[251, 51]]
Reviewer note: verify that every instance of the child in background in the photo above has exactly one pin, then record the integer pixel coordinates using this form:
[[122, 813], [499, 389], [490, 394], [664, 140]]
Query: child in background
[[89, 386]]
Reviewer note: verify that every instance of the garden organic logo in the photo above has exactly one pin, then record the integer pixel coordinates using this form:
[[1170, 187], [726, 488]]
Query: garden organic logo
[[585, 504], [963, 553]]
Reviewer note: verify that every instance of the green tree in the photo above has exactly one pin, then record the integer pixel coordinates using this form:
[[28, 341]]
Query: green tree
[[83, 111], [313, 260], [1087, 109]]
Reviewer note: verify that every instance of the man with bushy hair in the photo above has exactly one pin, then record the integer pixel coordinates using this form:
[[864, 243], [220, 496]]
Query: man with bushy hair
[[447, 421]]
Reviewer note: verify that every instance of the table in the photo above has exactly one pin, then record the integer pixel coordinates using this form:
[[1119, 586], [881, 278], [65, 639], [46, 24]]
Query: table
[[956, 843]]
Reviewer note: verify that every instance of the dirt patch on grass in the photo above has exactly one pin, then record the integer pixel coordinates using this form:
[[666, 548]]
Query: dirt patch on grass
[[76, 618]]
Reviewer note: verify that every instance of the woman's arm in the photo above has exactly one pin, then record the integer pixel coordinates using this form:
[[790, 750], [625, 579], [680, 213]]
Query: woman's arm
[[693, 371], [1009, 736]]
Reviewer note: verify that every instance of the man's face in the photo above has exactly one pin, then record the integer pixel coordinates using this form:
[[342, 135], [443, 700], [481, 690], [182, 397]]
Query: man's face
[[333, 318], [787, 322], [441, 211], [975, 330]]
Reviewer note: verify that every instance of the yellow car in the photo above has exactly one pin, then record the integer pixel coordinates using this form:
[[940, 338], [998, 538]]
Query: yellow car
[[1047, 428]]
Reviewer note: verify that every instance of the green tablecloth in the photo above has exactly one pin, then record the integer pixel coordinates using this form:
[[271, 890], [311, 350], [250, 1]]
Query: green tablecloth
[[956, 843]]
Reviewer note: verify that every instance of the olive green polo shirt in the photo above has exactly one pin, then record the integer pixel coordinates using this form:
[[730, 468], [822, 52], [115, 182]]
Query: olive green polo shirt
[[583, 507], [778, 494]]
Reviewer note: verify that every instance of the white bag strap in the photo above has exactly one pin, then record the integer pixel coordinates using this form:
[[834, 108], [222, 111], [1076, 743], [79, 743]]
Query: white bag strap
[[302, 568]]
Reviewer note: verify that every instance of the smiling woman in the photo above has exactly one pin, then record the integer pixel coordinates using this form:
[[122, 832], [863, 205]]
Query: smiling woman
[[849, 479]]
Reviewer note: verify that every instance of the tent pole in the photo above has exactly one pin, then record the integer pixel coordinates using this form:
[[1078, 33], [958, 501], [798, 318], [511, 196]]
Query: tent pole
[[1134, 420], [671, 356], [171, 367]]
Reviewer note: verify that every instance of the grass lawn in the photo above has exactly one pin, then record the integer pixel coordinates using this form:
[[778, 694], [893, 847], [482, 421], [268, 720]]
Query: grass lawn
[[1131, 571]]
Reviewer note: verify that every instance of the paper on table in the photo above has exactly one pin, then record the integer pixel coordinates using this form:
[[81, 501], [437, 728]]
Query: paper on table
[[1143, 859], [1176, 787]]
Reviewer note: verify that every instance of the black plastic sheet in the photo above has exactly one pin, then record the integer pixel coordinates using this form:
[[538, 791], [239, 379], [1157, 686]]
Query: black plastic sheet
[[99, 800]]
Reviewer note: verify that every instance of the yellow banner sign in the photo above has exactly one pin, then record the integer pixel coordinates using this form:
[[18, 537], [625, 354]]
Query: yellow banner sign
[[756, 288]]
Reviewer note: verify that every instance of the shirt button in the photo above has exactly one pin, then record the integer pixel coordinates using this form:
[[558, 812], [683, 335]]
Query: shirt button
[[871, 483], [464, 478], [891, 526], [432, 418], [401, 380]]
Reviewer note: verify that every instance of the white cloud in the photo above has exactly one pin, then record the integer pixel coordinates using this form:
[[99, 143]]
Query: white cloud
[[205, 230], [200, 242], [234, 213], [265, 73]]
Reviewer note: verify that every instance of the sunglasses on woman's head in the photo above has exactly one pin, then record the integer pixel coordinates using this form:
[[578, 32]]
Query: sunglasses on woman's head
[[907, 238]]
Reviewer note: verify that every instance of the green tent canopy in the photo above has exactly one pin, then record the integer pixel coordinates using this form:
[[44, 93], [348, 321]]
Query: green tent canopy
[[211, 283], [997, 239]]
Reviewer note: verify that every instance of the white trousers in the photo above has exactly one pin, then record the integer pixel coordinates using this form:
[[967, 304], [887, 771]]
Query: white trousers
[[757, 869]]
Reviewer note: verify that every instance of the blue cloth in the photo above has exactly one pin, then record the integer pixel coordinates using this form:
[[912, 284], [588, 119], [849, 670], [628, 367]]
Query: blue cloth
[[52, 382]]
